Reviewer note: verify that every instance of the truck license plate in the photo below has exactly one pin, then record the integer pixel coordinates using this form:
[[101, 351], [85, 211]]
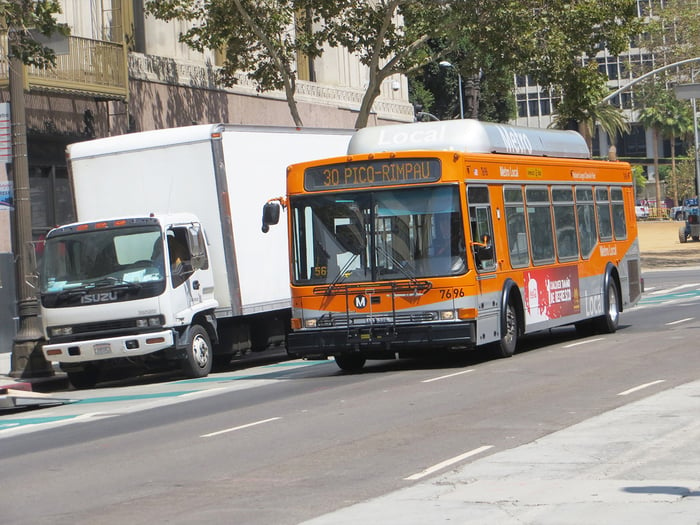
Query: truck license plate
[[102, 349]]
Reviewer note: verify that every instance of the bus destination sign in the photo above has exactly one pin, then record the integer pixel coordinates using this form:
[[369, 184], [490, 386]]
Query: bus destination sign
[[378, 172]]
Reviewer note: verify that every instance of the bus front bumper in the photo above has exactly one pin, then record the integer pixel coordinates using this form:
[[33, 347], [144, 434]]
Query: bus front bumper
[[381, 341]]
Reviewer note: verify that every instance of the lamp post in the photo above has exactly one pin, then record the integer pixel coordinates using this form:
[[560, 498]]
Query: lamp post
[[27, 359], [445, 63]]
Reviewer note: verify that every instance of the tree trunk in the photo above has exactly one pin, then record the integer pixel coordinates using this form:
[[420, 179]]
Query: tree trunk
[[674, 180], [657, 175]]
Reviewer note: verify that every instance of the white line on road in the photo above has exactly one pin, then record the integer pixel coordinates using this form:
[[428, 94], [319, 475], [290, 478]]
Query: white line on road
[[585, 342], [240, 427], [671, 290], [680, 321], [447, 463], [640, 387], [449, 375]]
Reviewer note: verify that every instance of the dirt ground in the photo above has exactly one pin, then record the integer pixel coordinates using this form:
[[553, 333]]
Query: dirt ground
[[660, 247]]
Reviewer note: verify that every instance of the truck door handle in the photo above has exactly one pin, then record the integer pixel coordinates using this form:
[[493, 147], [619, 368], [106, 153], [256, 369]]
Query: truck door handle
[[195, 285]]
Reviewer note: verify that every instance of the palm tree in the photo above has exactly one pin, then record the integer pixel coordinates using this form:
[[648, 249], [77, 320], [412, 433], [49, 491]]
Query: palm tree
[[679, 124], [653, 117], [581, 103], [666, 117]]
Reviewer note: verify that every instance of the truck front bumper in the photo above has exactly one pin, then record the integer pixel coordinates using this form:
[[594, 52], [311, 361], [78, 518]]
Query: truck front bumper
[[109, 348], [381, 341]]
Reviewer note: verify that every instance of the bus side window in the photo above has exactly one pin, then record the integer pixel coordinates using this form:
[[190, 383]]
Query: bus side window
[[515, 227], [481, 228], [585, 215], [539, 219]]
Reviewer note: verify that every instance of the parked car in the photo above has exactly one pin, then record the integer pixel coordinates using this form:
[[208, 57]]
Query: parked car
[[691, 228], [642, 211]]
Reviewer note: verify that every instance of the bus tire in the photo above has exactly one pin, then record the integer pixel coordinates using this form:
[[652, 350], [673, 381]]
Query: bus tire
[[350, 362], [505, 347], [609, 321], [199, 357]]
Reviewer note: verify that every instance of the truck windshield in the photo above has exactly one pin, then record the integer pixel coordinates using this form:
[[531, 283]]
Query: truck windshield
[[127, 258], [377, 235]]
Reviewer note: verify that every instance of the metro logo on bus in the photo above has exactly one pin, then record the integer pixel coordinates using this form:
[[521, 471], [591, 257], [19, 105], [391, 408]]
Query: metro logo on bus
[[515, 141]]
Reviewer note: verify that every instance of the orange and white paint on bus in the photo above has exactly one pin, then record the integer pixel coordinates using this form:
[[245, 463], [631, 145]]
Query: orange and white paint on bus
[[456, 235]]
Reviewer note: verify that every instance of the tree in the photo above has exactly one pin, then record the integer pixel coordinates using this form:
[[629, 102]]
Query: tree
[[391, 37], [656, 116], [21, 19], [262, 39], [678, 123], [475, 46], [568, 36]]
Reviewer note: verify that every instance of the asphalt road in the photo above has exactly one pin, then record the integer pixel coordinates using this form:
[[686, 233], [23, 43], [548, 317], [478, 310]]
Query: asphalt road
[[283, 443]]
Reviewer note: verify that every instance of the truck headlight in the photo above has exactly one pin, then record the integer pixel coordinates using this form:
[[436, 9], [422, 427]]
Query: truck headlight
[[146, 322], [61, 330]]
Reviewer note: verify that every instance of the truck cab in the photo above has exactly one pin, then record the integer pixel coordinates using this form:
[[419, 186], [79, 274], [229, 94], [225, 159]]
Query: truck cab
[[128, 292]]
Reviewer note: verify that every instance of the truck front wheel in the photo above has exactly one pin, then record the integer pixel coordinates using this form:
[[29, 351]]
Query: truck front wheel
[[85, 378], [199, 357]]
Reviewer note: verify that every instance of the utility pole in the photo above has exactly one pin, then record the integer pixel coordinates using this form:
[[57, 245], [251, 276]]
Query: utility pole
[[27, 358]]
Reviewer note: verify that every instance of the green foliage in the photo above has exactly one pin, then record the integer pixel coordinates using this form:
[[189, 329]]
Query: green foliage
[[19, 17], [256, 36], [640, 181]]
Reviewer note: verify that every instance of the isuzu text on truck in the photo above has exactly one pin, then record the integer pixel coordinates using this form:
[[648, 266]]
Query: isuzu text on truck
[[167, 262]]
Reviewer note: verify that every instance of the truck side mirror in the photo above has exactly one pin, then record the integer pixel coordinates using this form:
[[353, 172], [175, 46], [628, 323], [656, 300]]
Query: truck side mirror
[[270, 215]]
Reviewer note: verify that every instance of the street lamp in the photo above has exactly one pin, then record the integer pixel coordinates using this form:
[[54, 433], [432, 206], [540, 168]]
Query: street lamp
[[445, 63]]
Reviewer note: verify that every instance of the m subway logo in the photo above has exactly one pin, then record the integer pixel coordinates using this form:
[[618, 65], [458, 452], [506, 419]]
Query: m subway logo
[[102, 297], [360, 302]]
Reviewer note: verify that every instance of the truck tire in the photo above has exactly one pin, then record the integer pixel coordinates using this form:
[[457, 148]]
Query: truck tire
[[199, 357], [85, 378], [682, 237]]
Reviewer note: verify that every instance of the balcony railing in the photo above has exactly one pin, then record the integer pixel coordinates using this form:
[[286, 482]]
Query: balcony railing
[[92, 67]]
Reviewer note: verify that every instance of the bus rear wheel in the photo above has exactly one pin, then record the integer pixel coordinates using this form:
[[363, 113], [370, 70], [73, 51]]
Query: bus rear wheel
[[610, 320], [350, 362], [505, 347]]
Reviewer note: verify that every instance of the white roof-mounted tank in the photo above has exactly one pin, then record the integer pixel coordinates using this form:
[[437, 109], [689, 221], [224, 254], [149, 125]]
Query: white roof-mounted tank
[[469, 136]]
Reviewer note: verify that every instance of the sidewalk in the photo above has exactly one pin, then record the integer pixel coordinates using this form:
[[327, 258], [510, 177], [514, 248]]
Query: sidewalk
[[637, 464], [57, 381]]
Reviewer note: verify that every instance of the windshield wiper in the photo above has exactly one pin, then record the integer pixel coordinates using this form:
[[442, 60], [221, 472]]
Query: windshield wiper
[[341, 274], [115, 282], [402, 269]]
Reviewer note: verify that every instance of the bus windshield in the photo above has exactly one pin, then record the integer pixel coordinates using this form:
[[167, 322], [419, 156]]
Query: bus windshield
[[381, 235]]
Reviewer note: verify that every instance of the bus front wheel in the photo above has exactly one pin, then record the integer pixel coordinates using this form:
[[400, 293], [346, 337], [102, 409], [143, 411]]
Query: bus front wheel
[[610, 320], [505, 347], [350, 362]]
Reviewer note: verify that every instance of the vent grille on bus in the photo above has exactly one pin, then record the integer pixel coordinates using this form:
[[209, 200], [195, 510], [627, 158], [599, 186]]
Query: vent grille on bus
[[387, 318]]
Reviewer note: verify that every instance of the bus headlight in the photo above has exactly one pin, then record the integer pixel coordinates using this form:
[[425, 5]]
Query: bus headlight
[[310, 323], [447, 315]]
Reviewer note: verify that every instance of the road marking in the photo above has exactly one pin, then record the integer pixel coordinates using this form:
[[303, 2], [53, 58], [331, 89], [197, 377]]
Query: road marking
[[671, 290], [212, 434], [585, 342], [680, 321], [447, 463], [447, 376], [640, 387]]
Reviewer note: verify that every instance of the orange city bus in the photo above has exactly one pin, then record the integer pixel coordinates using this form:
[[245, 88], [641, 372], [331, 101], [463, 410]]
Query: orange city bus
[[455, 235]]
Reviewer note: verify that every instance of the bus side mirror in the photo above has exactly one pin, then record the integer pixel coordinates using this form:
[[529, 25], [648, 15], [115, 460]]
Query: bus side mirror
[[270, 215]]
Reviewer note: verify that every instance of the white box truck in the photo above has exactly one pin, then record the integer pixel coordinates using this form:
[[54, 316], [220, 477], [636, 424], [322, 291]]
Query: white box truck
[[166, 263]]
